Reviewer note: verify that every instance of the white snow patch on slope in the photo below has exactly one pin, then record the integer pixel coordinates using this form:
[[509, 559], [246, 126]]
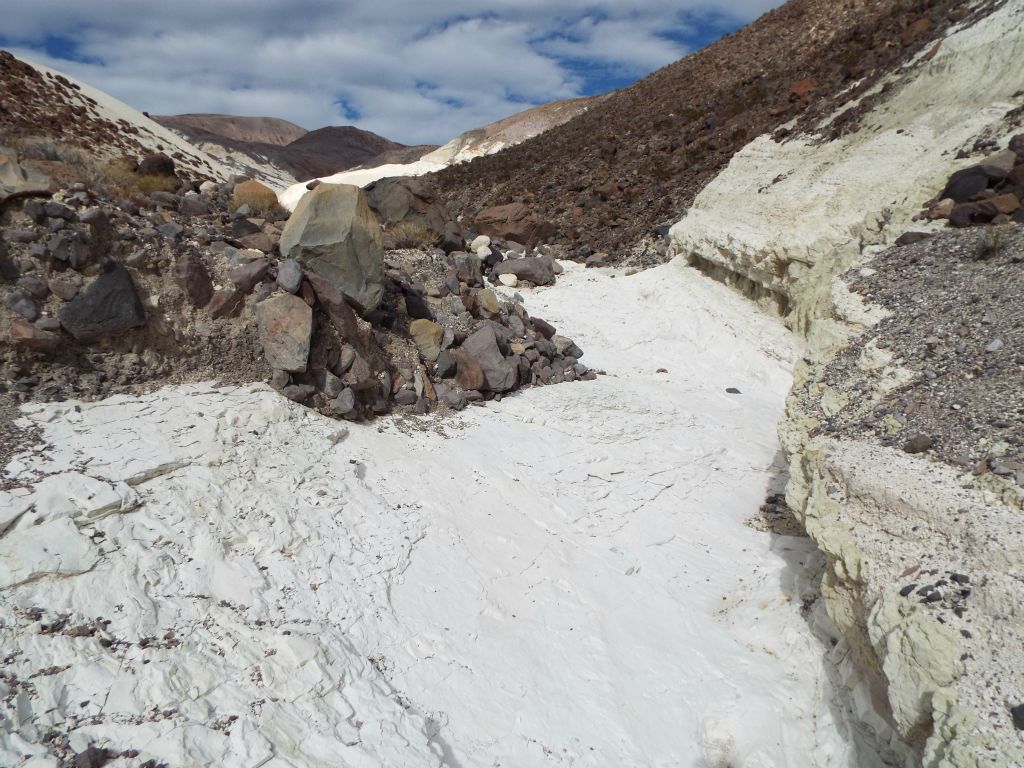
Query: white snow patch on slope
[[561, 578], [779, 208]]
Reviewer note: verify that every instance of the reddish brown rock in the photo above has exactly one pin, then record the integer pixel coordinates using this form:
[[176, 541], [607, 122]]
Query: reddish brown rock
[[27, 335], [259, 241], [226, 303], [468, 374], [514, 222]]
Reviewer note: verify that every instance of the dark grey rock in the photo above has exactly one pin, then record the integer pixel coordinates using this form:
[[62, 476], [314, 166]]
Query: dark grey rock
[[166, 199], [405, 397], [21, 235], [21, 303], [172, 230], [446, 364], [298, 393], [280, 379], [918, 444], [34, 285], [69, 247], [109, 305], [55, 210], [344, 403], [538, 270]]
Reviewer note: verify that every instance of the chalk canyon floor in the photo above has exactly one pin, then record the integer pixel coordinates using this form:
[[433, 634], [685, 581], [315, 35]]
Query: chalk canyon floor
[[561, 578]]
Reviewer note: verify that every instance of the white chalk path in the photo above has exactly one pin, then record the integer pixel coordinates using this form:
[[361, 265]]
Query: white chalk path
[[559, 579]]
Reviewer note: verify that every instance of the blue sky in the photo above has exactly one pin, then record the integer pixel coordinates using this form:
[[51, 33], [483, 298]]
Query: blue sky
[[414, 71]]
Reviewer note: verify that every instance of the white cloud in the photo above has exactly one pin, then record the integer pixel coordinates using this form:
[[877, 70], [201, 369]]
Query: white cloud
[[413, 71]]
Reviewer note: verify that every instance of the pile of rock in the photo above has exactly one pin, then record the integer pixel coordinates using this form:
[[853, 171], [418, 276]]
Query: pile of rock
[[102, 295], [989, 192]]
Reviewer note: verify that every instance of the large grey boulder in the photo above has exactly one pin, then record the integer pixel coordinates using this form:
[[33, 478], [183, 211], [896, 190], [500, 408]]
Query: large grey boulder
[[334, 234]]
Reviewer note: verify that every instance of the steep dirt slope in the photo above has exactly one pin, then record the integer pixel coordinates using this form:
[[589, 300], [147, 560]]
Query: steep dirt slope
[[262, 130], [639, 157]]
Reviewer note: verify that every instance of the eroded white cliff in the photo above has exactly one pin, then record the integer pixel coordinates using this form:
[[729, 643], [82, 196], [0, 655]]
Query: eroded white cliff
[[780, 224]]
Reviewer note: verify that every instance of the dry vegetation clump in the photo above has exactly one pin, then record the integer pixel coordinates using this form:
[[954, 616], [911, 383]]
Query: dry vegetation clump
[[408, 234], [119, 176], [260, 198]]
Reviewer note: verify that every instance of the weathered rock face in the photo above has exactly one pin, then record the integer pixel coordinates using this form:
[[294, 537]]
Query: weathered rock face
[[109, 305], [514, 222], [286, 327], [406, 199], [919, 546], [334, 233], [833, 199]]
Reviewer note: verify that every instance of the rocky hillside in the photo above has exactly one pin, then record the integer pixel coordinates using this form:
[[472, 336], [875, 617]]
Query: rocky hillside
[[258, 130], [53, 119], [637, 159]]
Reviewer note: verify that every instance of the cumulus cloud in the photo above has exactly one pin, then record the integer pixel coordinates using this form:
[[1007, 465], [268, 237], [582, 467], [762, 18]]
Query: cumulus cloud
[[413, 71]]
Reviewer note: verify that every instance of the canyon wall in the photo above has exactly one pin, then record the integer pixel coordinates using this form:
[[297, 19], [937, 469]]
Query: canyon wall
[[792, 223]]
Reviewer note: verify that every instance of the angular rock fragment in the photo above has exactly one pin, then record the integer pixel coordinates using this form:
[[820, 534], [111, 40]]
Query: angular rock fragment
[[286, 328], [427, 336], [194, 279], [226, 303], [539, 270], [246, 276], [468, 374], [289, 275]]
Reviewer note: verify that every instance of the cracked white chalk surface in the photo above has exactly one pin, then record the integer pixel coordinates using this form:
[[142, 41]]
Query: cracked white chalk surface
[[562, 578]]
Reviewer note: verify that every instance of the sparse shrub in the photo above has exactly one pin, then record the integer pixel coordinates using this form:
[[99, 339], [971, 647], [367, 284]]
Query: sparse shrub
[[43, 153], [260, 198], [119, 177], [407, 234]]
